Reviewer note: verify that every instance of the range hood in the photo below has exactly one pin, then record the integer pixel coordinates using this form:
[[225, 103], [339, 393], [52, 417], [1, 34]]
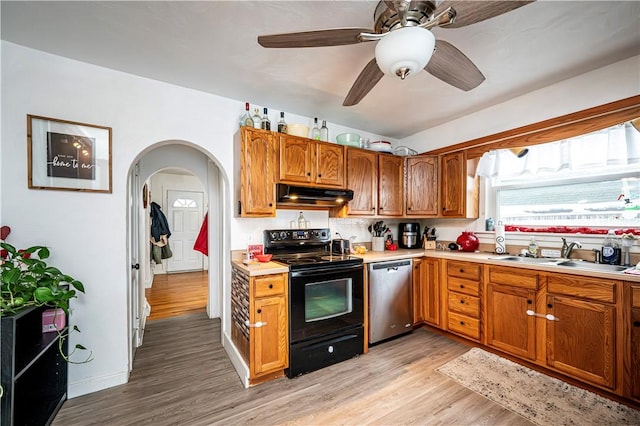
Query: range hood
[[289, 195]]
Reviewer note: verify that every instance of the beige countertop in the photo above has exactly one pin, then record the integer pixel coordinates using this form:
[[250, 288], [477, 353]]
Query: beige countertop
[[257, 268]]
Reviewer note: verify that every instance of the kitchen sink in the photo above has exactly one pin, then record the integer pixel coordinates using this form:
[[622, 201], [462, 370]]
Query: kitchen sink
[[533, 260], [574, 264], [592, 266]]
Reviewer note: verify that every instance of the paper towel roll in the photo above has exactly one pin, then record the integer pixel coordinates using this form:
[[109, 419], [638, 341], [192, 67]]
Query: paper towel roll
[[501, 244]]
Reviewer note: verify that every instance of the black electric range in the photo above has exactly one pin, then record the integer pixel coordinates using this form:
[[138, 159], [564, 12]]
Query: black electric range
[[303, 249]]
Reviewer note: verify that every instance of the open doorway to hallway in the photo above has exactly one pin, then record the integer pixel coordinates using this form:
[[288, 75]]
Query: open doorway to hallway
[[178, 294]]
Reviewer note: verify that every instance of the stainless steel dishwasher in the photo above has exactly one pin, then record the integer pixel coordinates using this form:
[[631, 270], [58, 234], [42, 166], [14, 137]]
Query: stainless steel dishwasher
[[390, 311]]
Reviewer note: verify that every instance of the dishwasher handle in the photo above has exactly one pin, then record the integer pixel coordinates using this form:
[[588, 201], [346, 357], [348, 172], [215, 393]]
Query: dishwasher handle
[[390, 265]]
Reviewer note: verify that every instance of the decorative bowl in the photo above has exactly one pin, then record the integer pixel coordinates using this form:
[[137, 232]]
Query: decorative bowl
[[349, 139], [264, 257], [298, 130]]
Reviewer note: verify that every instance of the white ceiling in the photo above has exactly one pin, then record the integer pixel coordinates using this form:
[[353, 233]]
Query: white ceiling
[[211, 46]]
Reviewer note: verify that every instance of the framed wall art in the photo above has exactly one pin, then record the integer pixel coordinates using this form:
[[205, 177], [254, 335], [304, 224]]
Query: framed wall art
[[69, 156]]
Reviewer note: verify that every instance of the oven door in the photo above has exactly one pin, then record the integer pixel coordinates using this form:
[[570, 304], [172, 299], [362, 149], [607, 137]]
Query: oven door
[[325, 300]]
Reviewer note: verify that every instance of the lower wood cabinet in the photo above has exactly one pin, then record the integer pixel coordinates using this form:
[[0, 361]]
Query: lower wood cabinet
[[510, 303], [463, 281], [635, 353], [581, 339], [259, 322]]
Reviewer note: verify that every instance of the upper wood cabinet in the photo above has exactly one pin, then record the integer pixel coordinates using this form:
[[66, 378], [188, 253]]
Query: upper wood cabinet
[[362, 179], [458, 186], [308, 162], [255, 158], [390, 185], [422, 186]]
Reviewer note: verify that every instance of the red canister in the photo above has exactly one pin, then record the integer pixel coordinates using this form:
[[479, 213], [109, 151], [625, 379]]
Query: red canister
[[467, 241]]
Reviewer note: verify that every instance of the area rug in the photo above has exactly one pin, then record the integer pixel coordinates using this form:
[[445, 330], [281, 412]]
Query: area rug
[[535, 396]]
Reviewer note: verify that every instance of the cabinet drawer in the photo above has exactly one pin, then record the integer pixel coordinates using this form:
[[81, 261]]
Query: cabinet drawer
[[635, 299], [268, 285], [463, 286], [464, 304], [588, 288], [464, 325], [470, 271], [513, 277]]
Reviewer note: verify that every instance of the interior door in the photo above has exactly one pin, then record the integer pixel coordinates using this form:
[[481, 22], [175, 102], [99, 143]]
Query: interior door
[[185, 214], [135, 334]]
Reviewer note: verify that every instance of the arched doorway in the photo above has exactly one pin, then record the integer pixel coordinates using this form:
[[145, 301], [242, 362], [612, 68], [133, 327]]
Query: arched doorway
[[172, 155]]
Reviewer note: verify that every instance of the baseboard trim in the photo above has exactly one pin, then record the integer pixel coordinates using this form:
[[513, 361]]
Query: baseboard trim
[[95, 384], [236, 359]]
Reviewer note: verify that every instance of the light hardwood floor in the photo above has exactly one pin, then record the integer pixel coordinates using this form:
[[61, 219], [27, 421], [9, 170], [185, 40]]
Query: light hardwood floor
[[182, 376], [178, 294]]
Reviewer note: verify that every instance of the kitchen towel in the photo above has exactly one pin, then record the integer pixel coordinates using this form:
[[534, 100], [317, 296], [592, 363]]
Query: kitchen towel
[[501, 244]]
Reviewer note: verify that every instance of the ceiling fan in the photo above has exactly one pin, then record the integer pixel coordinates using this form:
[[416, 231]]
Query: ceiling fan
[[406, 44]]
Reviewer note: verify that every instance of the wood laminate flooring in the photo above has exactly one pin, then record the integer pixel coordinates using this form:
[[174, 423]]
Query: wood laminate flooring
[[172, 295], [182, 376]]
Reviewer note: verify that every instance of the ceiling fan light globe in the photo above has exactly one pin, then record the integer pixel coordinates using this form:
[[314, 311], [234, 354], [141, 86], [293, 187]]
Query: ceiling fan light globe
[[408, 48]]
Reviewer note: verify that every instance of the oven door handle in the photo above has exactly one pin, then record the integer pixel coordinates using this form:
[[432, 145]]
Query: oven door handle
[[327, 270]]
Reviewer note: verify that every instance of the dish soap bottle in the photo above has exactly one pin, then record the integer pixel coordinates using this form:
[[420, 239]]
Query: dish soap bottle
[[302, 222], [533, 248], [610, 249]]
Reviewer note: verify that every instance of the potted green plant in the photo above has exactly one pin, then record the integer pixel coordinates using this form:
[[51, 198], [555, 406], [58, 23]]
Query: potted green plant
[[27, 281]]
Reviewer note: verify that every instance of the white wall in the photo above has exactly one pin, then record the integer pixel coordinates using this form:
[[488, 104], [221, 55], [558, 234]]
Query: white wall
[[87, 231], [611, 83]]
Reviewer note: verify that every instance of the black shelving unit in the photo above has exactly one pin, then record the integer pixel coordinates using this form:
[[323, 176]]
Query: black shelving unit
[[33, 372]]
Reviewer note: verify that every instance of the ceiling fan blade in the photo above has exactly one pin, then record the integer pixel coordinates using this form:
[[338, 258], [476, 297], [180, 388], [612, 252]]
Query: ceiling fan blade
[[368, 78], [470, 12], [453, 67], [319, 38]]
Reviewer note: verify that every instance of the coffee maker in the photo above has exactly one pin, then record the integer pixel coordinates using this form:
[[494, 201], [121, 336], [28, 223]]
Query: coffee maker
[[409, 235]]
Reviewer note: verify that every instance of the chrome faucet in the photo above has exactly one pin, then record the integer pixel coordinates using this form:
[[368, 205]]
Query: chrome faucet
[[567, 248]]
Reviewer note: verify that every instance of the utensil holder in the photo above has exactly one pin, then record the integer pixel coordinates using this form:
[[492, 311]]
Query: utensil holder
[[377, 243]]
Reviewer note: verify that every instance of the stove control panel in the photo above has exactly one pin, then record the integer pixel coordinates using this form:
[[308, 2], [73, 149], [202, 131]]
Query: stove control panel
[[297, 236]]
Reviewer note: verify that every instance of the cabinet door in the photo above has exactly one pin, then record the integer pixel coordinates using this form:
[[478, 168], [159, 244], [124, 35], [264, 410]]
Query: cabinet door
[[329, 165], [269, 343], [453, 185], [362, 179], [417, 300], [430, 291], [581, 339], [390, 185], [509, 328], [297, 160], [635, 353], [257, 173], [422, 186]]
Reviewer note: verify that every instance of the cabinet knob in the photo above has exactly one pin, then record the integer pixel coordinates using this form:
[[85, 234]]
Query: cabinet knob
[[529, 302], [270, 204], [308, 173], [381, 208], [549, 305], [461, 270], [259, 311], [636, 323], [319, 175], [461, 286], [270, 285], [408, 208], [373, 208], [461, 322], [462, 301], [443, 209]]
